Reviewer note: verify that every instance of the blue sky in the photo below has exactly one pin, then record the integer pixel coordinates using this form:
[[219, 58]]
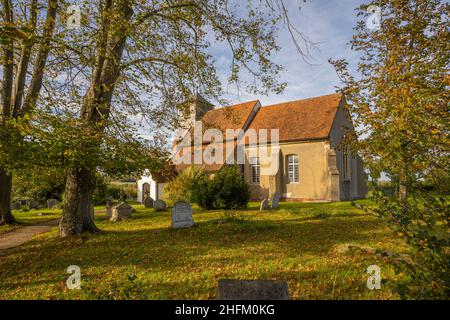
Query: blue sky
[[327, 22]]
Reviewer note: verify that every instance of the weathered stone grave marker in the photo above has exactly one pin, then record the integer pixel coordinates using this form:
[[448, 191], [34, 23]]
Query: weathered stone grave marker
[[264, 205], [275, 200], [33, 205], [182, 215], [159, 205], [148, 202], [15, 205], [52, 204], [109, 208], [120, 212]]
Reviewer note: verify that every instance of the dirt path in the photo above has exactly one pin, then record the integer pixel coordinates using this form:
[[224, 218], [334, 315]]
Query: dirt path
[[17, 237]]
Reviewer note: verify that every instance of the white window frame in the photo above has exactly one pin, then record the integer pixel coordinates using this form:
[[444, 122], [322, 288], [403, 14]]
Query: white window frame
[[291, 167], [255, 170]]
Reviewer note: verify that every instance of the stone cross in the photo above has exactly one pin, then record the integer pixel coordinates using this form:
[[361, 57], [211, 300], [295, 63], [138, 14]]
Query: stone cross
[[182, 215]]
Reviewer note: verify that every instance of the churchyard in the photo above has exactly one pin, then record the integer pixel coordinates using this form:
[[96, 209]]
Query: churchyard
[[31, 217], [304, 244]]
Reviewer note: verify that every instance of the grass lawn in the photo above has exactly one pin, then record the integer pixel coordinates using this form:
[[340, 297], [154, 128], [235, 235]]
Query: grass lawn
[[31, 217], [144, 259]]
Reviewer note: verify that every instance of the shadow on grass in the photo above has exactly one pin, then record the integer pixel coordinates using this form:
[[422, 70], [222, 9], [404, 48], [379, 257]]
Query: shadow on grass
[[319, 216], [208, 243]]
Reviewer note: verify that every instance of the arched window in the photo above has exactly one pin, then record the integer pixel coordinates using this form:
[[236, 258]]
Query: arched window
[[292, 168]]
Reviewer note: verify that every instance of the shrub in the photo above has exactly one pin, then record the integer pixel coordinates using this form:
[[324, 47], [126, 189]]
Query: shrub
[[204, 195], [130, 191], [39, 183], [113, 192], [184, 186], [226, 190], [101, 189], [423, 220]]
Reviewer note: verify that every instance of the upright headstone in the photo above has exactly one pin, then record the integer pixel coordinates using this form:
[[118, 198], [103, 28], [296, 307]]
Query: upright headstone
[[159, 205], [253, 290], [182, 215], [264, 205], [275, 200], [148, 202], [52, 204], [15, 205], [33, 204], [120, 212]]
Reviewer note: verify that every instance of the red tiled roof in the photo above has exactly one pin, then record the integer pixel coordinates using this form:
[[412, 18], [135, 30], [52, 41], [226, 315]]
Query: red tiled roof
[[304, 119], [226, 153], [231, 117]]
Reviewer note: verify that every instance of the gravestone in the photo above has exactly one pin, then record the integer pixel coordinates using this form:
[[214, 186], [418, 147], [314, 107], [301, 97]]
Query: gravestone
[[52, 204], [159, 205], [109, 208], [15, 205], [253, 290], [33, 205], [275, 200], [182, 215], [264, 205], [120, 212], [148, 202]]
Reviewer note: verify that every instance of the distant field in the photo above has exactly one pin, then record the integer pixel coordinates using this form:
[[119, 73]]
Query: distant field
[[122, 184]]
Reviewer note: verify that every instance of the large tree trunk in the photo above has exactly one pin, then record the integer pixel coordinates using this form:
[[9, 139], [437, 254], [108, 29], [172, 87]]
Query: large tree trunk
[[78, 214], [13, 86], [5, 198]]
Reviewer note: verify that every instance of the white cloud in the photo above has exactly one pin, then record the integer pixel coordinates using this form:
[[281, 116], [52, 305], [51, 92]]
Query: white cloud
[[328, 23]]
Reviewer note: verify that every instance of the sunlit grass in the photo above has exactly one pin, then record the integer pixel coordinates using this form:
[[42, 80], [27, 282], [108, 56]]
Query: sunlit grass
[[144, 258], [25, 218]]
